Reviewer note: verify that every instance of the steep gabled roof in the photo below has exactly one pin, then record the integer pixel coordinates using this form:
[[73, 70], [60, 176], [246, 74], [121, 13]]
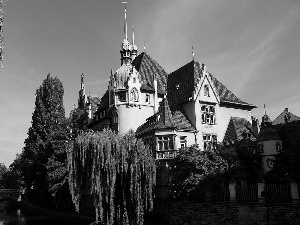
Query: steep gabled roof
[[104, 102], [183, 81], [284, 116], [94, 101], [236, 129], [148, 68], [163, 119]]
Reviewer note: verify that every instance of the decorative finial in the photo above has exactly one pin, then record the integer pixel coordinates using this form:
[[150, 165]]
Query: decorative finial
[[144, 46], [265, 109], [132, 36], [193, 52], [125, 25]]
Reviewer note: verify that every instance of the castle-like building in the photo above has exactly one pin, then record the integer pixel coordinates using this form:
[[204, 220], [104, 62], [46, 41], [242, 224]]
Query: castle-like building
[[169, 111]]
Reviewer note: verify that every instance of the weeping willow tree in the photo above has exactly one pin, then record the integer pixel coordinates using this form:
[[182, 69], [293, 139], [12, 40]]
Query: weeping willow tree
[[120, 172]]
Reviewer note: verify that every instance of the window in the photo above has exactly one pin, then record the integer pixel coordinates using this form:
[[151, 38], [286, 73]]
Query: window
[[208, 114], [261, 148], [134, 95], [183, 142], [147, 98], [165, 143], [206, 90], [115, 119], [270, 162], [278, 146], [134, 80], [122, 96], [209, 141]]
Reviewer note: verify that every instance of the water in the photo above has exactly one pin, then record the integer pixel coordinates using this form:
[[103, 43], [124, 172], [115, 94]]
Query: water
[[12, 215]]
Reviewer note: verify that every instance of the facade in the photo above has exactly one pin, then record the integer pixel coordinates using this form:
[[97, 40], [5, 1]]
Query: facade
[[169, 111]]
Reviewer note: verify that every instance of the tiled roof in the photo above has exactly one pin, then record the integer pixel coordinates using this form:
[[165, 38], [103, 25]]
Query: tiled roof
[[282, 117], [104, 102], [267, 133], [183, 81], [236, 129], [164, 120], [147, 68]]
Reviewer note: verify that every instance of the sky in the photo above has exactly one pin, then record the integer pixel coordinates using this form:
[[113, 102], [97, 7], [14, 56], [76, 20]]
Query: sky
[[251, 46]]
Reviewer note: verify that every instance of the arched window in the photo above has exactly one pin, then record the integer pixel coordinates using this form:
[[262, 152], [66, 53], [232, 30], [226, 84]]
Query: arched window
[[134, 95], [206, 90]]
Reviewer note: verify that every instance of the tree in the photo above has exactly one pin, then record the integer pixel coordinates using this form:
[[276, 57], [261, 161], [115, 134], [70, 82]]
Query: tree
[[120, 172], [193, 167], [43, 157]]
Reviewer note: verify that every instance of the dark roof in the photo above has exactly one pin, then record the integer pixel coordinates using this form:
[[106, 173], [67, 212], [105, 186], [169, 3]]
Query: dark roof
[[237, 128], [183, 81], [283, 116], [104, 102], [268, 132], [163, 119], [148, 68]]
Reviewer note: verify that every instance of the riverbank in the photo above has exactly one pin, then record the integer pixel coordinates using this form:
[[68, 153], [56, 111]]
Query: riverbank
[[64, 216]]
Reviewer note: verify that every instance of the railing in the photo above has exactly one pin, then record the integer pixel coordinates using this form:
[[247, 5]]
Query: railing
[[247, 193], [167, 154], [278, 193]]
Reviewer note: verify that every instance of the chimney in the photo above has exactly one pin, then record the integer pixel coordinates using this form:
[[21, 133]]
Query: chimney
[[286, 109]]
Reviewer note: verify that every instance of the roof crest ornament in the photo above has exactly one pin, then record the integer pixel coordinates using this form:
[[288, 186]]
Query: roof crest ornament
[[193, 53]]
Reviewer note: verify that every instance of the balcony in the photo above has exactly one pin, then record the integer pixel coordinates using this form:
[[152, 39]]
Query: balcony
[[166, 154]]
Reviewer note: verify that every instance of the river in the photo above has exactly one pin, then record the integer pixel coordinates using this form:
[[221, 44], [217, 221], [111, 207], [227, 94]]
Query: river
[[12, 215]]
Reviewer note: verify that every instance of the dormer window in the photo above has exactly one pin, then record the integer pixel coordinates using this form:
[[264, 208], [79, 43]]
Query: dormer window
[[134, 95], [206, 90]]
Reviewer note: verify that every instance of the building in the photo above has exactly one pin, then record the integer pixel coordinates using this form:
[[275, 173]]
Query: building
[[169, 111]]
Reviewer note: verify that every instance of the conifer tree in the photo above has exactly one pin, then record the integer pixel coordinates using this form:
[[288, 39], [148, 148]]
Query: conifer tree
[[44, 154]]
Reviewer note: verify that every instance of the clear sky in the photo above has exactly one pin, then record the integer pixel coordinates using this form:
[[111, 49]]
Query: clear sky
[[251, 46]]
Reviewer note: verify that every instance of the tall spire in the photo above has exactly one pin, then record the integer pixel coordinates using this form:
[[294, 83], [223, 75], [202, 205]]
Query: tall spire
[[125, 24]]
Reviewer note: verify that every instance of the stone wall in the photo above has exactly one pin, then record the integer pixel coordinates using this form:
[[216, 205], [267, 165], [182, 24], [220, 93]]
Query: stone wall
[[227, 213]]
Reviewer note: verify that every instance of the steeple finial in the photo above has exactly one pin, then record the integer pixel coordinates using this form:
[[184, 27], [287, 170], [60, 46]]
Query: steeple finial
[[82, 81], [132, 36], [265, 109], [193, 53], [144, 46], [125, 25]]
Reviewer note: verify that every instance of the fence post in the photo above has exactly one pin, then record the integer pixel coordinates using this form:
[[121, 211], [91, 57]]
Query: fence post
[[232, 191], [294, 192], [260, 189]]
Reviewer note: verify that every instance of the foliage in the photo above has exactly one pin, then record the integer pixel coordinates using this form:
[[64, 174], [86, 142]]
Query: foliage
[[193, 167], [43, 157], [287, 164], [77, 120], [119, 170], [248, 164]]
